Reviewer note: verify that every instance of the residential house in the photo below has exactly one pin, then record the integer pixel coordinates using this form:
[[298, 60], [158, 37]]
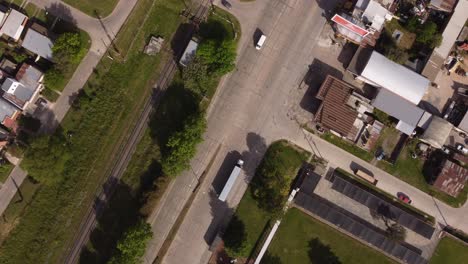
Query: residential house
[[26, 86], [14, 25], [3, 14], [8, 66], [342, 110], [364, 25], [449, 36], [38, 42], [451, 179], [8, 114]]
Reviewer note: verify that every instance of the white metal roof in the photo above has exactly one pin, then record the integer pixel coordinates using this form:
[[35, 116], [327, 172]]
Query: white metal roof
[[14, 24], [453, 28], [395, 78], [38, 44], [189, 53]]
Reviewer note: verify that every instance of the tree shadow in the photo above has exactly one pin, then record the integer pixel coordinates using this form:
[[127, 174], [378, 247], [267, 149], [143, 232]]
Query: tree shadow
[[114, 217], [181, 38], [320, 253], [63, 13], [213, 29], [220, 213], [235, 235], [269, 258], [256, 148], [175, 107], [433, 166]]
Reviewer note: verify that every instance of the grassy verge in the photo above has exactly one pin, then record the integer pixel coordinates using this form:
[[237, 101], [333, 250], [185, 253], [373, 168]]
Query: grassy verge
[[12, 214], [5, 170], [252, 218], [411, 171], [50, 95], [449, 251], [387, 197], [302, 239], [92, 8], [353, 149], [98, 121]]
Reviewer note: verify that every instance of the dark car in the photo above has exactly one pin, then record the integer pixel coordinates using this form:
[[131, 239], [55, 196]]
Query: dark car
[[226, 4], [403, 197]]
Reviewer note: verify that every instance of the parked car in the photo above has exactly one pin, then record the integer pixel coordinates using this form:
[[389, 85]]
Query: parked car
[[380, 156], [462, 148], [226, 4], [403, 197]]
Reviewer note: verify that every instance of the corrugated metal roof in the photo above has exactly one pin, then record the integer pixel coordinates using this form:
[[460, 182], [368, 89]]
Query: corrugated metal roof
[[189, 53], [399, 108], [395, 77], [38, 44]]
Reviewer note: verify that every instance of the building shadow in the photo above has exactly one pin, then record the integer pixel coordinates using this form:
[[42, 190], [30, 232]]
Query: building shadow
[[346, 54], [313, 79], [429, 107]]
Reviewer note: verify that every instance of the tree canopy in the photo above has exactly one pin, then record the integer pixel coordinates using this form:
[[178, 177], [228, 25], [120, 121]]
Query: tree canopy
[[182, 145], [132, 245], [219, 56]]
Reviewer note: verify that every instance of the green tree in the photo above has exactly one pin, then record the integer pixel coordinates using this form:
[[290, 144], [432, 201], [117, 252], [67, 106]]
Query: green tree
[[427, 33], [182, 145], [132, 245], [396, 54], [46, 158], [67, 47], [195, 76], [219, 56], [395, 232], [235, 237]]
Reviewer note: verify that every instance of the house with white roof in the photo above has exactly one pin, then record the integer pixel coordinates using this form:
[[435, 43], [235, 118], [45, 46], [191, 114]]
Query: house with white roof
[[14, 25]]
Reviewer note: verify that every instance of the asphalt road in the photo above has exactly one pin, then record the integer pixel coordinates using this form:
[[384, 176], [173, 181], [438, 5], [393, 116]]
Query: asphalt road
[[250, 110], [253, 107]]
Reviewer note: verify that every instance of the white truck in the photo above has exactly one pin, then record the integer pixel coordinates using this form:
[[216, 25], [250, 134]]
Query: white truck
[[230, 182]]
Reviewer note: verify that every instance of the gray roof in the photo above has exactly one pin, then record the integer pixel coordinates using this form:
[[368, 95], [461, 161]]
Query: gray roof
[[38, 44], [464, 123], [437, 132], [14, 24], [11, 86], [395, 78], [403, 110], [6, 109]]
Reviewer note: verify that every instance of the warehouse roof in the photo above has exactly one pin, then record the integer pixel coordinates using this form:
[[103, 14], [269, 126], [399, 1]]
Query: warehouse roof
[[395, 78]]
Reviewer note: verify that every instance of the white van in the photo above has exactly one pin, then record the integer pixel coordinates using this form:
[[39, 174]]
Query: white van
[[260, 42]]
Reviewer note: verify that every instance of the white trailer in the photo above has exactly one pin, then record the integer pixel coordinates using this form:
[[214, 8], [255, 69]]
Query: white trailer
[[230, 182]]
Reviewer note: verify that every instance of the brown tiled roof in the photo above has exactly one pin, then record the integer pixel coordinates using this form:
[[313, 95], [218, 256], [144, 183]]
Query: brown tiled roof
[[452, 178], [333, 113]]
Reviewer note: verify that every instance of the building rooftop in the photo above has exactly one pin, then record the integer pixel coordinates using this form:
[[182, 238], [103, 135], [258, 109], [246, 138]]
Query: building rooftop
[[14, 24], [334, 113], [394, 77], [7, 111], [437, 133], [451, 179], [443, 5], [38, 43], [189, 53], [20, 90], [403, 110]]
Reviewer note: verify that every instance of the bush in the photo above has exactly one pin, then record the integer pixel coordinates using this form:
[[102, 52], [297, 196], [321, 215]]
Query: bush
[[132, 245], [397, 55], [274, 175], [218, 56], [182, 145]]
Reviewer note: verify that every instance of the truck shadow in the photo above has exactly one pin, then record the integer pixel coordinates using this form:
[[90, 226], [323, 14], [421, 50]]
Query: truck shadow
[[225, 170]]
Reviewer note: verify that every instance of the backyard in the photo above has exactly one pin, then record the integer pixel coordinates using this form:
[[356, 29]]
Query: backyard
[[302, 239], [450, 251]]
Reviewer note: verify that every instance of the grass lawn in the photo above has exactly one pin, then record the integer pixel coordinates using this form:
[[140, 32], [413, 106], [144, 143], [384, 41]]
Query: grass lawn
[[14, 211], [388, 139], [411, 171], [407, 40], [99, 122], [353, 149], [102, 8], [450, 251], [50, 94], [302, 239], [5, 170], [250, 219]]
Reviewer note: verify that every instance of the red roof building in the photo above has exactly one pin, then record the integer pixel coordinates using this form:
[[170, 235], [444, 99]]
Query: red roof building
[[452, 178]]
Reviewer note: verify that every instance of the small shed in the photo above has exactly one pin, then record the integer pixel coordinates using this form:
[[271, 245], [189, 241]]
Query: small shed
[[189, 53], [437, 132], [154, 45]]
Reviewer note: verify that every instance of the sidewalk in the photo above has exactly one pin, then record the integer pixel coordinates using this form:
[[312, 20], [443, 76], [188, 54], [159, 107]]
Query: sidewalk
[[10, 186]]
